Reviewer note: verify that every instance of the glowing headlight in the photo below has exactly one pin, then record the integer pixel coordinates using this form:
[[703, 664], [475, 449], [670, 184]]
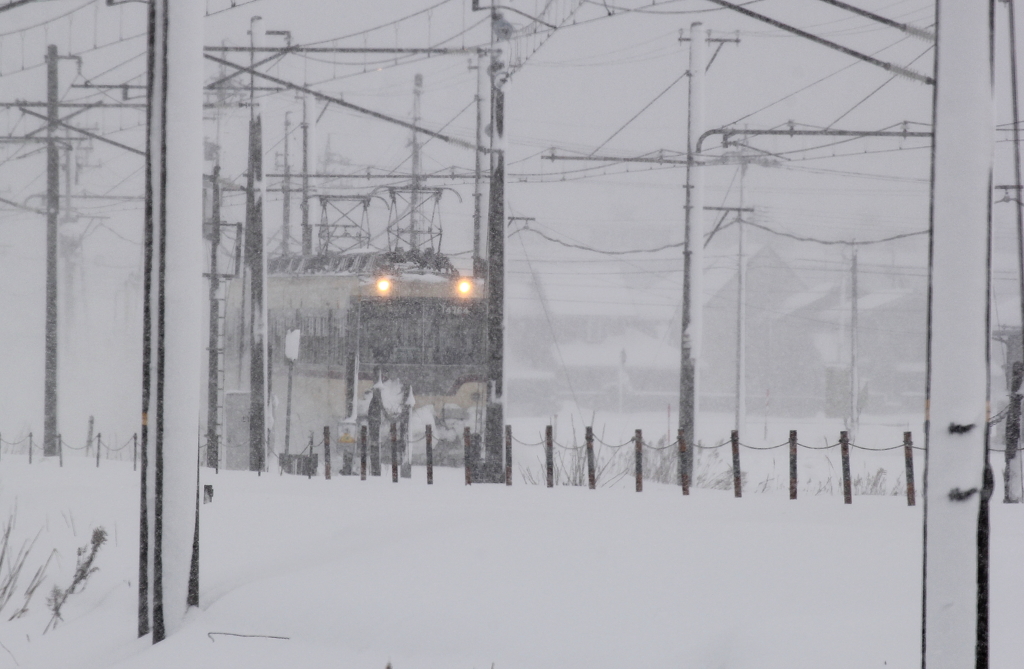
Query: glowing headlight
[[383, 285], [465, 287]]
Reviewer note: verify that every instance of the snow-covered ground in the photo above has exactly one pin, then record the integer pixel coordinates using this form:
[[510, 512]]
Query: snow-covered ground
[[356, 574]]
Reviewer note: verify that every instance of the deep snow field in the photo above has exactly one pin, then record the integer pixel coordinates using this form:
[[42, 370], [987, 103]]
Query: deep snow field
[[357, 574]]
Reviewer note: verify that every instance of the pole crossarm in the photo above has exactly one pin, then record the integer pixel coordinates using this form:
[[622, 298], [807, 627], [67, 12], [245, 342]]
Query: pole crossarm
[[907, 28], [92, 135], [726, 133], [281, 50], [888, 67], [348, 105]]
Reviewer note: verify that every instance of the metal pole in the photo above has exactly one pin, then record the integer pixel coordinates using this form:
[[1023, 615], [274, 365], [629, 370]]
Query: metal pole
[[549, 457], [327, 451], [429, 436], [844, 448], [362, 451], [908, 459], [792, 465], [52, 212], [508, 455], [591, 472], [213, 340], [684, 471]]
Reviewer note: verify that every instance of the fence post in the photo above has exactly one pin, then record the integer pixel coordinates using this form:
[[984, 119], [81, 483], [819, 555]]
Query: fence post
[[792, 464], [60, 450], [394, 452], [466, 439], [737, 477], [549, 457], [30, 448], [327, 452], [591, 472], [908, 455], [309, 458], [429, 437], [99, 447], [362, 452], [639, 457], [844, 445], [135, 451], [508, 455], [684, 471]]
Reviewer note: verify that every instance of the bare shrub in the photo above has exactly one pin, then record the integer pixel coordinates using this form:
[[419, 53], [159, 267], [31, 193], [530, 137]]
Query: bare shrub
[[84, 568]]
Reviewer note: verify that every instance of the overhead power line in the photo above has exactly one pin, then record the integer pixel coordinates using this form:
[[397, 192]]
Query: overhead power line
[[907, 28], [889, 67], [834, 242]]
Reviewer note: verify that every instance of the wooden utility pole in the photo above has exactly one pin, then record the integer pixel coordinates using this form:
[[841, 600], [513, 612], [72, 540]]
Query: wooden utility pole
[[52, 211], [854, 376]]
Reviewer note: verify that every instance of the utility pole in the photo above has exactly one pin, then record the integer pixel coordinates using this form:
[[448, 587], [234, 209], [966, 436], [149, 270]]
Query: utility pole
[[50, 446], [213, 345], [481, 73], [693, 259], [741, 315], [854, 377], [414, 193], [494, 423], [286, 228], [307, 230], [1012, 473], [958, 480], [256, 261]]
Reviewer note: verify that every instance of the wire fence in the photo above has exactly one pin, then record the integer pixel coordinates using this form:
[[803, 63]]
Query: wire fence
[[562, 463]]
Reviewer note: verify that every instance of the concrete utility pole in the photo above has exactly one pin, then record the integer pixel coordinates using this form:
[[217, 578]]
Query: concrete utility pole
[[1013, 476], [741, 314], [414, 192], [256, 261], [495, 409], [213, 342], [50, 445], [692, 318], [481, 78], [173, 256], [958, 480], [854, 376], [307, 229], [286, 214]]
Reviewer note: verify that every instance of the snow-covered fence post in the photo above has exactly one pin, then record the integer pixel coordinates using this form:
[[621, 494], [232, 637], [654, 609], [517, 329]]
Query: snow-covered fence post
[[428, 436], [792, 464], [958, 478], [508, 455], [549, 457], [467, 459], [684, 471], [591, 473], [737, 477], [394, 452], [638, 464], [908, 457], [844, 447], [362, 451], [99, 447], [327, 452]]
